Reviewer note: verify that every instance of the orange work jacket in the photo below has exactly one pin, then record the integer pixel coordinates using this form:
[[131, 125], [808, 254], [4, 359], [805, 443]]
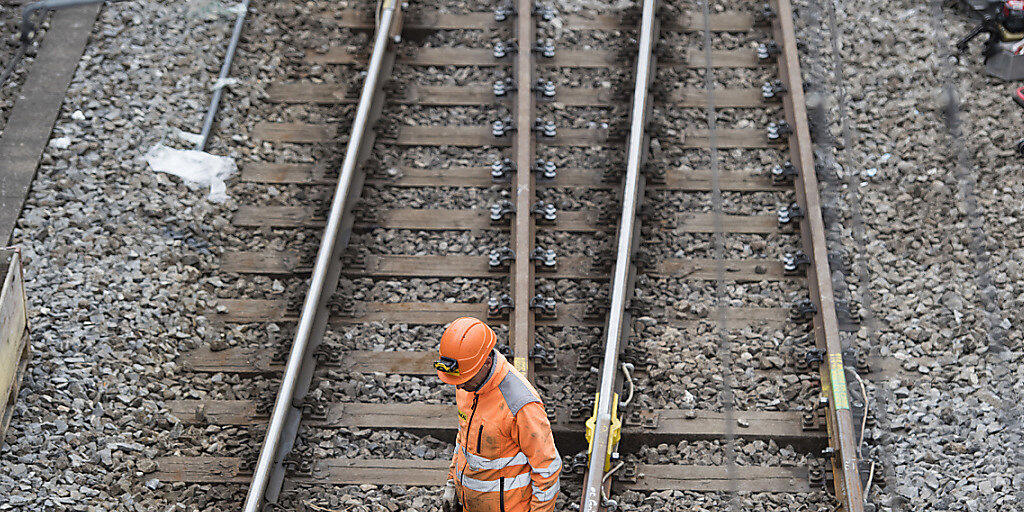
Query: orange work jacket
[[505, 458]]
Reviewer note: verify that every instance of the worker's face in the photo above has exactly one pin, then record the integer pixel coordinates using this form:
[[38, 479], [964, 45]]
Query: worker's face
[[474, 383]]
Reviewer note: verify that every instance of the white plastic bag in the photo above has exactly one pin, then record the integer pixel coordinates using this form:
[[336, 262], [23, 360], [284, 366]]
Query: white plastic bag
[[196, 168]]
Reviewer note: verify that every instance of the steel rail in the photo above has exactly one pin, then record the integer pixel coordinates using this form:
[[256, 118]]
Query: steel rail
[[842, 434], [636, 154], [225, 69], [524, 231], [328, 262]]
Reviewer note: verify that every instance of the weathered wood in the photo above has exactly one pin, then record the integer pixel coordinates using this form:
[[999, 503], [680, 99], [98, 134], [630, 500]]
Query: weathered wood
[[440, 313], [426, 19], [31, 119], [439, 420], [695, 180], [472, 136], [479, 95], [464, 220], [418, 472], [719, 478], [457, 265], [14, 342], [484, 57]]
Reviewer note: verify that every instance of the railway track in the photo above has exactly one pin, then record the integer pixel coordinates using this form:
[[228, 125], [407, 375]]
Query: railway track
[[620, 215]]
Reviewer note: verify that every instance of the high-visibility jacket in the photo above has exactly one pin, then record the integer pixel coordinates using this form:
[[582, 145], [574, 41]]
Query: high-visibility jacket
[[505, 458]]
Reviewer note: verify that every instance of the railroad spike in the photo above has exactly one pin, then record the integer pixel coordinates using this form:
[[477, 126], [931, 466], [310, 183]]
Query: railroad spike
[[783, 173], [803, 310], [790, 213], [543, 307], [503, 86], [794, 263], [501, 259], [545, 47], [768, 51], [546, 213], [499, 306], [545, 260], [502, 49], [764, 15], [779, 130], [501, 127], [502, 169], [545, 169], [773, 90], [501, 210], [503, 11]]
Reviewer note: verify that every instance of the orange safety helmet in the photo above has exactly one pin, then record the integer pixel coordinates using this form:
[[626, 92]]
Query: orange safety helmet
[[465, 345]]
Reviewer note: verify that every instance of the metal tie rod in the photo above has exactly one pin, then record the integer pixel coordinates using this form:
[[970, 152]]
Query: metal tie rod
[[325, 254], [229, 57], [602, 427]]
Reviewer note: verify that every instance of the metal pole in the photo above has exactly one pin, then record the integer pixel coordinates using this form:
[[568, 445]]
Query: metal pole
[[225, 68], [595, 469], [324, 255]]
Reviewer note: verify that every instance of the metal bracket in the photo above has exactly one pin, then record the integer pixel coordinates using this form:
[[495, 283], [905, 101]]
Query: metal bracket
[[768, 51], [502, 169], [500, 259], [501, 210], [545, 260], [544, 307], [773, 90], [499, 306], [779, 130], [794, 263]]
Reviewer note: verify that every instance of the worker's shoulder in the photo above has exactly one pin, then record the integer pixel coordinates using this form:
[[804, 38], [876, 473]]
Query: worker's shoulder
[[517, 391]]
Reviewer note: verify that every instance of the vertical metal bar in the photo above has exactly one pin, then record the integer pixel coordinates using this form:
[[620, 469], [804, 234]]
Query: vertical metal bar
[[314, 307], [849, 489], [225, 68], [524, 232], [624, 253]]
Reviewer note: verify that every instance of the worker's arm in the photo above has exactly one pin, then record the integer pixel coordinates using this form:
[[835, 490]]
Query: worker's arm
[[535, 441]]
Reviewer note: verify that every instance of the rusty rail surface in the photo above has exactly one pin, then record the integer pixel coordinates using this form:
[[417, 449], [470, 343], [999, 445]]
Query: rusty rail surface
[[842, 435]]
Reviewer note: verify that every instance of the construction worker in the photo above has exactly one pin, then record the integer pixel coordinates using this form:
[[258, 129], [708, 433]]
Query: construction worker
[[505, 458]]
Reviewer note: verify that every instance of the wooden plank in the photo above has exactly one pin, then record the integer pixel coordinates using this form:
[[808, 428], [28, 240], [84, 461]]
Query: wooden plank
[[468, 220], [440, 313], [472, 136], [671, 425], [296, 132], [483, 94], [692, 58], [691, 180], [718, 478], [30, 122], [457, 265], [418, 472], [14, 340], [426, 19]]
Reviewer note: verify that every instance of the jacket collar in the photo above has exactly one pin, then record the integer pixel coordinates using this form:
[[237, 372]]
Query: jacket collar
[[499, 369]]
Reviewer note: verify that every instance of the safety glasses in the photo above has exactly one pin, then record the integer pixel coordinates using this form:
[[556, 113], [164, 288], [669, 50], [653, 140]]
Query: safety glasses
[[447, 365]]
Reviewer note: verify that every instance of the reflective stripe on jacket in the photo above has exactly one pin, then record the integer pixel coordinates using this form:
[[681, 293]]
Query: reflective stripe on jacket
[[505, 458]]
